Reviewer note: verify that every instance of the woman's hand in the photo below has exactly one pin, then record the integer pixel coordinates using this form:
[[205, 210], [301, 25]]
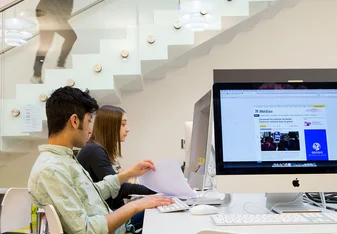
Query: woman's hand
[[137, 170], [141, 168]]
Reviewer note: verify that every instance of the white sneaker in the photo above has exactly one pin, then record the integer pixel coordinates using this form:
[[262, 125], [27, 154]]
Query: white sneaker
[[36, 80]]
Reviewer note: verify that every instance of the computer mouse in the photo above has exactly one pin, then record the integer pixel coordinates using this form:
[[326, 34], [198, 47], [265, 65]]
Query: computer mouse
[[204, 210]]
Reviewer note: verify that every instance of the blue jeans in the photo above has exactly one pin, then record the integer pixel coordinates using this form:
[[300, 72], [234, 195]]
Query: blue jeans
[[137, 220]]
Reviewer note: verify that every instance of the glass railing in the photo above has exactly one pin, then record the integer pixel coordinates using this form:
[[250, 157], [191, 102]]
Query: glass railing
[[4, 8], [104, 46]]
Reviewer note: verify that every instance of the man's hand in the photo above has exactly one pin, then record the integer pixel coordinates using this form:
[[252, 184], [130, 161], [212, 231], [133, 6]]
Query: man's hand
[[152, 201]]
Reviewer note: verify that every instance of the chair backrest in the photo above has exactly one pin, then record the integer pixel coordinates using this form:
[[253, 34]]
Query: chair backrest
[[54, 223], [16, 209]]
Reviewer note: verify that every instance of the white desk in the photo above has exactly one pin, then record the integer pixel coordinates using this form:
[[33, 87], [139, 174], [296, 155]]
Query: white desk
[[185, 223]]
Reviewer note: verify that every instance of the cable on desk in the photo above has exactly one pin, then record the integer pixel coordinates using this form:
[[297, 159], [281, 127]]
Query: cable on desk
[[330, 197], [310, 200], [299, 197]]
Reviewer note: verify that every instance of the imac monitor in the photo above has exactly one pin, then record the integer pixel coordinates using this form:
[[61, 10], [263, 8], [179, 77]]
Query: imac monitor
[[200, 145], [275, 137]]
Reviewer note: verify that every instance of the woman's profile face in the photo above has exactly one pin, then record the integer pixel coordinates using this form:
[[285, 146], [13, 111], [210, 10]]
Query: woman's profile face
[[124, 128]]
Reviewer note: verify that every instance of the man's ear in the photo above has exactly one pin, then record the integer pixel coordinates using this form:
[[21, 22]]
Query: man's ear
[[74, 121]]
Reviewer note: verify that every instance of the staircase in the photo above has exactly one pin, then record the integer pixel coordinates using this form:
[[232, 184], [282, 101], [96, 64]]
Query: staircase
[[103, 31]]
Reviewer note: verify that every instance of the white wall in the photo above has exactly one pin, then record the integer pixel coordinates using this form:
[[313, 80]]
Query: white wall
[[301, 37]]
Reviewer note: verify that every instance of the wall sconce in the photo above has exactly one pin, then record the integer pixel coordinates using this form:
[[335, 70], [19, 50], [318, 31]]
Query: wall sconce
[[177, 25], [124, 54], [70, 82], [151, 39], [97, 68], [15, 112], [43, 97]]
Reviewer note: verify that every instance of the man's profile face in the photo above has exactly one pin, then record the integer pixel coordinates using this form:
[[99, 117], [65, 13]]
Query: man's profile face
[[83, 131]]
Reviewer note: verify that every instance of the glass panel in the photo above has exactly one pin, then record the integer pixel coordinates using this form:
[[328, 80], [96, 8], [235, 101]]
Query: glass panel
[[98, 44], [79, 41], [2, 44]]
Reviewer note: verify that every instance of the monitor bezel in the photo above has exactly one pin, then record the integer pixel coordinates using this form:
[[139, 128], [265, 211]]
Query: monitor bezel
[[230, 168]]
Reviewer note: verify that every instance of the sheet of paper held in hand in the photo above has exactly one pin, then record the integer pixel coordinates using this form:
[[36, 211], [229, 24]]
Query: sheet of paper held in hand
[[168, 179]]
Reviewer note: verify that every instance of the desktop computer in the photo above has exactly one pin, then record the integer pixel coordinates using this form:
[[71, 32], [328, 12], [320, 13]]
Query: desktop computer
[[276, 138], [200, 155], [199, 148]]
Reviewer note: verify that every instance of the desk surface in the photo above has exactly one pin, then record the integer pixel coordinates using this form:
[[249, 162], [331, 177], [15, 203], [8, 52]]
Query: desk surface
[[184, 222]]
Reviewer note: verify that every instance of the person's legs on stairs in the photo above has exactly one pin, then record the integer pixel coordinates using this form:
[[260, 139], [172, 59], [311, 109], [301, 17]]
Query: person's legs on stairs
[[70, 38], [46, 38]]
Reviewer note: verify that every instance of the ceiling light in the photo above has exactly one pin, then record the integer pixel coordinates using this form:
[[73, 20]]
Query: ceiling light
[[18, 24], [14, 31], [197, 22], [196, 6], [196, 14]]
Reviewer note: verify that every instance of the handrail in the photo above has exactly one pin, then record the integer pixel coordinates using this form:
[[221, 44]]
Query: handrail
[[9, 5], [72, 15], [85, 8]]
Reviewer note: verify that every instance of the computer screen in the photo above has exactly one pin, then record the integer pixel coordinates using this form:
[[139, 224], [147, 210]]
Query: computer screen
[[275, 137], [200, 144]]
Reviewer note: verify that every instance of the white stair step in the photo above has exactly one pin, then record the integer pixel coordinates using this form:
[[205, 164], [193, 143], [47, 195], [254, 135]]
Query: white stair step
[[173, 48], [129, 83], [223, 38]]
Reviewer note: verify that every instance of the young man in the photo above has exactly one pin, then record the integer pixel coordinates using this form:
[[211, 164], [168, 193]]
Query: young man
[[58, 179]]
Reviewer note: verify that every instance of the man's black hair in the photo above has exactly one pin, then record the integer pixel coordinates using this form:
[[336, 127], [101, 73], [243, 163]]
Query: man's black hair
[[65, 102]]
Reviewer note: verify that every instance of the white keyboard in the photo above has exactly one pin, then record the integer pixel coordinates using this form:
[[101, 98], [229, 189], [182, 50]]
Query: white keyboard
[[274, 219], [177, 206]]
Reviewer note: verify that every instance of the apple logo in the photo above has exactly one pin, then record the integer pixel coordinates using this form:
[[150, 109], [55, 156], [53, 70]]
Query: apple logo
[[296, 183]]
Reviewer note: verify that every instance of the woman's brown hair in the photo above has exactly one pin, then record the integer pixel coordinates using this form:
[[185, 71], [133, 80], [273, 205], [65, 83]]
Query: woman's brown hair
[[106, 130]]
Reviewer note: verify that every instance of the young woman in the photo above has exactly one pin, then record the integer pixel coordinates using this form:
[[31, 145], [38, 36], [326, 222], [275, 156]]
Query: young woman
[[101, 153]]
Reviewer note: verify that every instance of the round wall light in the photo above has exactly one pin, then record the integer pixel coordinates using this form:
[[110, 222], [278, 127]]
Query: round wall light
[[124, 54], [70, 82], [15, 112], [151, 39], [177, 25], [97, 68], [203, 12], [43, 97]]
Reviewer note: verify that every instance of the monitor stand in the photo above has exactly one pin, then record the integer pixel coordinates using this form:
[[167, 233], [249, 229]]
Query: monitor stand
[[288, 203], [211, 196]]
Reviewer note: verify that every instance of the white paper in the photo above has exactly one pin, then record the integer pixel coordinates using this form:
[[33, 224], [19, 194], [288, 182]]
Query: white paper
[[168, 179], [31, 120]]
